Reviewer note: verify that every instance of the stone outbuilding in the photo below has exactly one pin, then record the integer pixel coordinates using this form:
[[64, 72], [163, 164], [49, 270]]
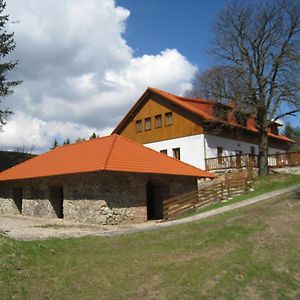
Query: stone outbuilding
[[107, 180]]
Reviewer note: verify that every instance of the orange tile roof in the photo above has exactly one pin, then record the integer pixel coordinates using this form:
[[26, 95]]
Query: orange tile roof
[[111, 153], [200, 107]]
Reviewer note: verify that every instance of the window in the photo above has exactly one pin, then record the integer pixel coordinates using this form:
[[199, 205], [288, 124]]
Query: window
[[158, 121], [165, 151], [176, 153], [148, 124], [169, 120], [138, 126], [219, 154], [252, 150]]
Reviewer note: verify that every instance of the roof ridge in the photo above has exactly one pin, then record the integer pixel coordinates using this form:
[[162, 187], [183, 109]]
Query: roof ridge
[[110, 150], [169, 157], [197, 100]]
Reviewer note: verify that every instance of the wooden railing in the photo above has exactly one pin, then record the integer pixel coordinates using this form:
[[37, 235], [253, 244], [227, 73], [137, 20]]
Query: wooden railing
[[248, 160], [231, 162], [224, 187], [280, 160]]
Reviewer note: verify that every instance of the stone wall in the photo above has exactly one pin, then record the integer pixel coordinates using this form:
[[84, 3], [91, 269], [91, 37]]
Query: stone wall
[[101, 197]]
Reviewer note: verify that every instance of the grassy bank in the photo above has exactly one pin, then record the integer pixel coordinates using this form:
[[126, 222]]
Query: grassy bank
[[261, 185], [250, 253]]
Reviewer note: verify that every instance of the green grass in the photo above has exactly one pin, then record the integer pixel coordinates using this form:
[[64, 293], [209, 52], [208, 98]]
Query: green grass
[[261, 185], [250, 253]]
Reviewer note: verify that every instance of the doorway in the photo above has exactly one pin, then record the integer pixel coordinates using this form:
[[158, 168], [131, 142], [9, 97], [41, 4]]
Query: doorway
[[56, 198], [156, 193], [17, 196]]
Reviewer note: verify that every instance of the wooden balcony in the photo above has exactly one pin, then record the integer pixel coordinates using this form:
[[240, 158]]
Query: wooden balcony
[[247, 160], [231, 162], [280, 160]]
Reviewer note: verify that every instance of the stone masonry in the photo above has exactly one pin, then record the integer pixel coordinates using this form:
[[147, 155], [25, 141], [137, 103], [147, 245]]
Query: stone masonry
[[101, 197]]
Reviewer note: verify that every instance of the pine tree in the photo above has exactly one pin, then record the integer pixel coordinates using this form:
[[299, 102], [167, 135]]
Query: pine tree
[[93, 136], [67, 142], [289, 131], [54, 145], [7, 44]]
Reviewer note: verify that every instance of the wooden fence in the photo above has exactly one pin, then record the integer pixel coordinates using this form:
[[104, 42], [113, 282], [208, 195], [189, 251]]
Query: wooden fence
[[278, 160], [219, 189]]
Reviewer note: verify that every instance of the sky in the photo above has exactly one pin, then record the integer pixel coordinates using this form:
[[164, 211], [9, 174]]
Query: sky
[[85, 62]]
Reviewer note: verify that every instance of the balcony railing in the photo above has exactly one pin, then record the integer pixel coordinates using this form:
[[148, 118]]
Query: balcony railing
[[231, 162], [278, 160], [288, 159]]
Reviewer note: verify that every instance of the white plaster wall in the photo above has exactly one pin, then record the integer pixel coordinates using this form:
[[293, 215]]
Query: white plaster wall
[[191, 149], [230, 146], [194, 149]]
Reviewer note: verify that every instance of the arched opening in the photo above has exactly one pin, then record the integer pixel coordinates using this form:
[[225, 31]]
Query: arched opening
[[156, 193]]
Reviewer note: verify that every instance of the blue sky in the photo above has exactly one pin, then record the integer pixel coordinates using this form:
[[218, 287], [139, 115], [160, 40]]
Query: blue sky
[[154, 25]]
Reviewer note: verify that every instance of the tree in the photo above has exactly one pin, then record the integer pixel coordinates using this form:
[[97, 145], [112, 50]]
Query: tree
[[294, 134], [55, 144], [260, 40], [67, 141], [79, 139], [219, 83], [93, 136], [7, 45], [289, 131]]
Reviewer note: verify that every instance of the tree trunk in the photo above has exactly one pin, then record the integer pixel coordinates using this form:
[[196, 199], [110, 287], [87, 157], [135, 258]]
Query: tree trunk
[[263, 152]]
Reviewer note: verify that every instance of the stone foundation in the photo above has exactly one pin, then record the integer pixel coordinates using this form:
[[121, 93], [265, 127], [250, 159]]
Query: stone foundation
[[8, 206], [37, 207], [100, 198]]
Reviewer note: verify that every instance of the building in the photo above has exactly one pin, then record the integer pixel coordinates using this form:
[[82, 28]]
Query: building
[[188, 129], [107, 180]]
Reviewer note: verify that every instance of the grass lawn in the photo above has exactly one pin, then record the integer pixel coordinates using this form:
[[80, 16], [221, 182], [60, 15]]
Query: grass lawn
[[250, 253]]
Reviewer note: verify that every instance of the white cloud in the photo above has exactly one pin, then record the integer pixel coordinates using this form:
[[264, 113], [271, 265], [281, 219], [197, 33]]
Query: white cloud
[[79, 74]]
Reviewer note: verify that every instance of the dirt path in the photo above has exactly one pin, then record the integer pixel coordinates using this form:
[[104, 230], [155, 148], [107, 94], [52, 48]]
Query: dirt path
[[30, 228]]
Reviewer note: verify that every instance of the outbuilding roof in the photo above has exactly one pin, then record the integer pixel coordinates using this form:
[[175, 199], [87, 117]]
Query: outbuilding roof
[[111, 153]]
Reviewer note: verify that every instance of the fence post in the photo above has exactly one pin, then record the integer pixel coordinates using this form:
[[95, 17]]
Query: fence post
[[227, 185]]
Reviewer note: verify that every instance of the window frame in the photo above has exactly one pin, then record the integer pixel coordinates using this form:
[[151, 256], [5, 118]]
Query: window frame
[[169, 118], [138, 126], [147, 121], [158, 118], [176, 153]]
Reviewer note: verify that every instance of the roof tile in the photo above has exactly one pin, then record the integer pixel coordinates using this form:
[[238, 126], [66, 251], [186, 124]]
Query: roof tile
[[111, 153]]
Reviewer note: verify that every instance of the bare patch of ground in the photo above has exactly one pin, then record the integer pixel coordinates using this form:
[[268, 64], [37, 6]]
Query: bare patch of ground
[[32, 228]]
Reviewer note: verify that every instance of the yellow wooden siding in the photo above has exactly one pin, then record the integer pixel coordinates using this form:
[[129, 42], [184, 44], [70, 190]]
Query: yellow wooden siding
[[181, 126]]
